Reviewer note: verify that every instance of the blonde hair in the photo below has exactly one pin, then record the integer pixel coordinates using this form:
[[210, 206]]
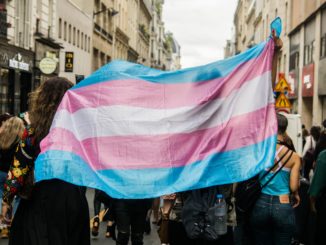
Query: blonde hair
[[11, 131]]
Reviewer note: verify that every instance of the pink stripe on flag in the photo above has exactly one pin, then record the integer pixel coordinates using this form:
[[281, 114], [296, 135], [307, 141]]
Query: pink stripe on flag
[[141, 93], [163, 151]]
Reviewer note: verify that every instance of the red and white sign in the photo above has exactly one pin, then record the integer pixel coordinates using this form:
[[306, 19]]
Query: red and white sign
[[308, 80]]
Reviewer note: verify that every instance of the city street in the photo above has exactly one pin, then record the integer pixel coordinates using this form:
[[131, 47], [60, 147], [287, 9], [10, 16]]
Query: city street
[[151, 239]]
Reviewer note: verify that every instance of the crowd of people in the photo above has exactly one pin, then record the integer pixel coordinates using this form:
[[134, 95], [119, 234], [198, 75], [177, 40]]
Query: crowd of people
[[56, 212], [284, 200]]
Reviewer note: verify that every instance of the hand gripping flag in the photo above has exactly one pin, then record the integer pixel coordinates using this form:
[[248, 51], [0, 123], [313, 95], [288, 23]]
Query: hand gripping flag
[[137, 132]]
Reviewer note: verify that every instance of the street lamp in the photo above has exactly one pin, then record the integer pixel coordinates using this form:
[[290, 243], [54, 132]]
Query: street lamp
[[112, 12]]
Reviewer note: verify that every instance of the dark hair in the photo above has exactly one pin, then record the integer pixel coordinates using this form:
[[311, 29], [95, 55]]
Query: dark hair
[[324, 123], [4, 117], [315, 132], [44, 102], [282, 123]]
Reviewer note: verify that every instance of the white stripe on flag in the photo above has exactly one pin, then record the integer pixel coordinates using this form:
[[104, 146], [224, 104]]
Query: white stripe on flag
[[126, 120]]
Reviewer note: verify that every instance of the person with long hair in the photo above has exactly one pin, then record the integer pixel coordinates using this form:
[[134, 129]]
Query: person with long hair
[[11, 131], [51, 211], [273, 217]]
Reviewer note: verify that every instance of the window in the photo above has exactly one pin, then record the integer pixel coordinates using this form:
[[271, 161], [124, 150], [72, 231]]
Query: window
[[50, 17], [65, 31], [323, 35], [294, 51], [82, 41], [286, 18], [108, 59], [95, 59], [60, 28], [78, 38], [103, 59], [89, 44], [69, 34], [309, 42], [85, 47], [22, 23], [74, 36], [104, 21], [97, 8]]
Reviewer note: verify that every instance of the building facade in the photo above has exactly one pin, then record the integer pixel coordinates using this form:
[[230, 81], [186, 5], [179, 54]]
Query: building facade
[[301, 58], [143, 44], [74, 32], [158, 49], [45, 45], [173, 53], [104, 17], [16, 55]]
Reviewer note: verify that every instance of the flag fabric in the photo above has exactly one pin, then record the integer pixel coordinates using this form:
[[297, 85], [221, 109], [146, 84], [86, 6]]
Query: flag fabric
[[137, 132]]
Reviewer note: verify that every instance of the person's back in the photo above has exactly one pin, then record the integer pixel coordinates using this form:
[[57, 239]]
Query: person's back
[[273, 218]]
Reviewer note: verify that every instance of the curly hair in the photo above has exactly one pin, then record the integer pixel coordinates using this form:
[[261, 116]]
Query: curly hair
[[11, 131], [43, 103]]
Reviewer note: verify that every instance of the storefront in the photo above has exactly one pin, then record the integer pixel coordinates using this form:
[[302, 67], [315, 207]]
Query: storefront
[[16, 79], [46, 48]]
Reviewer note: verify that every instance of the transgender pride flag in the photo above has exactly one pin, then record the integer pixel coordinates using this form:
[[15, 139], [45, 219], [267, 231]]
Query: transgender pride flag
[[137, 132]]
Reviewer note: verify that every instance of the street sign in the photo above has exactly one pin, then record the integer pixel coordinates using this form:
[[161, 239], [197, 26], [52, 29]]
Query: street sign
[[69, 62], [282, 84], [283, 102], [47, 65]]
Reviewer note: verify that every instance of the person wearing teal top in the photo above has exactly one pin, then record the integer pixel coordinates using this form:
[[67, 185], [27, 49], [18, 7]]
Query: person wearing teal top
[[272, 218], [317, 194]]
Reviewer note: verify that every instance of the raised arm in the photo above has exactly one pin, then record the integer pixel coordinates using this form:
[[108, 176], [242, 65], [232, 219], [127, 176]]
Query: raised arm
[[277, 50]]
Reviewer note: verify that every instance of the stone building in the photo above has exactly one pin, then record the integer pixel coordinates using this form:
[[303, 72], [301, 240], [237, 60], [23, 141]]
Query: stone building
[[143, 44], [173, 53], [302, 55], [45, 46], [158, 52], [74, 32], [16, 55], [104, 17]]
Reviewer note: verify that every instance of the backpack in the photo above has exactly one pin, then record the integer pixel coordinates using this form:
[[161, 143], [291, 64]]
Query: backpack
[[198, 222]]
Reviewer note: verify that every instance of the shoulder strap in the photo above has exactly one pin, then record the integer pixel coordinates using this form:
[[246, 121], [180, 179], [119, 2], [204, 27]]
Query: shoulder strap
[[286, 161], [279, 150], [276, 164]]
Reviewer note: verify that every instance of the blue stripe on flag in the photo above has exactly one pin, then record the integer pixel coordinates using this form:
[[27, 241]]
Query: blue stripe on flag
[[217, 169], [119, 70]]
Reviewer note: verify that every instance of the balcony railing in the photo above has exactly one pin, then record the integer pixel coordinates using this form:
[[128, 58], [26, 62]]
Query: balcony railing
[[97, 28], [103, 33]]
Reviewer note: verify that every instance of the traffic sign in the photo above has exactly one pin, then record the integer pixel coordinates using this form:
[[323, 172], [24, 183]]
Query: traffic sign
[[282, 84], [283, 102]]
